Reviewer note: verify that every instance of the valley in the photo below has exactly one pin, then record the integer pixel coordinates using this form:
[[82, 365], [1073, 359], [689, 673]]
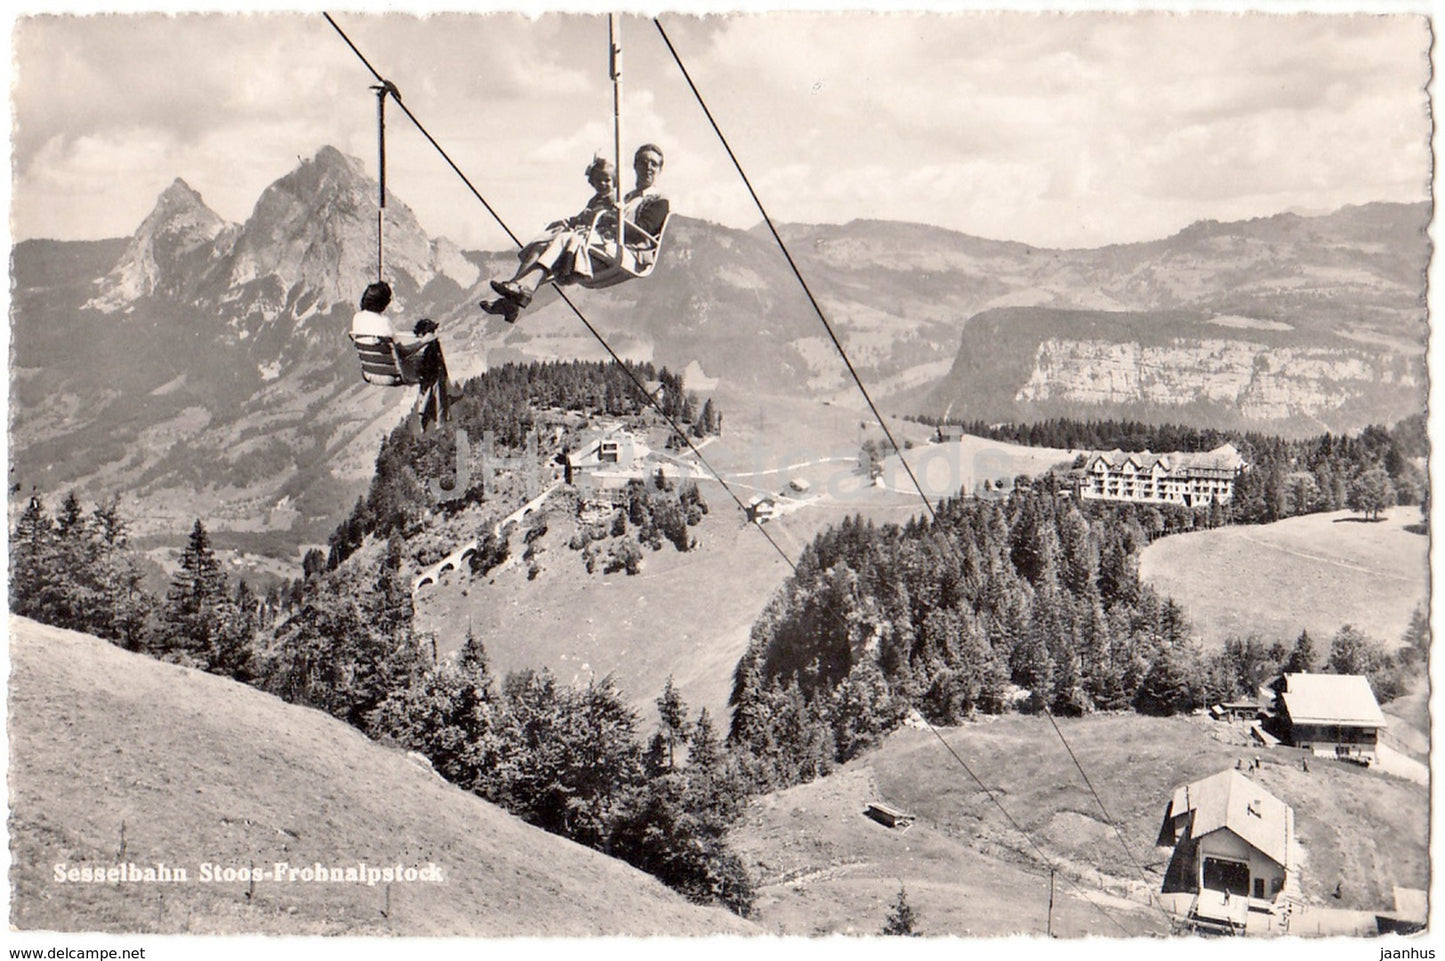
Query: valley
[[234, 350]]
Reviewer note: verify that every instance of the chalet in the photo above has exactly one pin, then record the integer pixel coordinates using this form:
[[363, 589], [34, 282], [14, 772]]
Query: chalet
[[604, 449], [948, 433], [760, 508], [1235, 711], [1192, 480], [1231, 837], [1335, 715]]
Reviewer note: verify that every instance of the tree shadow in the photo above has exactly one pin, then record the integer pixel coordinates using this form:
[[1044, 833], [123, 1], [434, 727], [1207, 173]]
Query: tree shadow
[[1357, 520]]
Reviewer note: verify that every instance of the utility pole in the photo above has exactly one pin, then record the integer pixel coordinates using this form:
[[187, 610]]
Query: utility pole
[[1051, 900]]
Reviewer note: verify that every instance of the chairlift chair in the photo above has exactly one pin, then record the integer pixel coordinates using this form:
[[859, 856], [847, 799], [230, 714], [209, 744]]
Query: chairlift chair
[[626, 263], [380, 363]]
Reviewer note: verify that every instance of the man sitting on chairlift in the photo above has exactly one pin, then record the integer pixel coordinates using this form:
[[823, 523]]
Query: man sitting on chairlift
[[563, 256]]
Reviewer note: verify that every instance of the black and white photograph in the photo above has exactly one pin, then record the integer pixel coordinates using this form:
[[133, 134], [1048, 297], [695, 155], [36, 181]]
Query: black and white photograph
[[784, 479]]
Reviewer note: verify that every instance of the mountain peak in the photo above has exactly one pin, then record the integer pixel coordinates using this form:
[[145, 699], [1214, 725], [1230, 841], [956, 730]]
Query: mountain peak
[[171, 246], [329, 156], [330, 165], [181, 192], [314, 229], [179, 201]]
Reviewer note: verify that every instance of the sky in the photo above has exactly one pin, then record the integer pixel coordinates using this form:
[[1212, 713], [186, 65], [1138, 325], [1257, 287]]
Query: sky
[[1057, 130]]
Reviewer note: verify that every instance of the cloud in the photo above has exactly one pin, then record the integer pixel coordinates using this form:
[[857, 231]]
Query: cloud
[[1070, 129]]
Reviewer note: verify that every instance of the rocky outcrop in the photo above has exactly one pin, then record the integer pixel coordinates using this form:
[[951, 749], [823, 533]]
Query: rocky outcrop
[[172, 246], [1263, 382]]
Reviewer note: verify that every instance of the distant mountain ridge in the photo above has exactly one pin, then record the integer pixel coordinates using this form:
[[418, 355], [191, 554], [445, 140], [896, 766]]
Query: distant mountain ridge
[[201, 367], [1025, 364]]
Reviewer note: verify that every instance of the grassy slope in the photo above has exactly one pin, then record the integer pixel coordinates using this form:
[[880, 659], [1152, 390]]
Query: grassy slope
[[196, 768], [688, 615], [826, 867], [1316, 572], [684, 614]]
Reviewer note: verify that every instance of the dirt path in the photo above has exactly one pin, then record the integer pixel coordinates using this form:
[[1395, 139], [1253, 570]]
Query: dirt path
[[1400, 765], [1322, 559]]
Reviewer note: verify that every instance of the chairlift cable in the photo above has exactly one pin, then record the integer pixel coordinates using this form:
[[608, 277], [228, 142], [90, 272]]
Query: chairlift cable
[[854, 373], [430, 139], [656, 405], [832, 335], [681, 433], [1048, 862], [1108, 818]]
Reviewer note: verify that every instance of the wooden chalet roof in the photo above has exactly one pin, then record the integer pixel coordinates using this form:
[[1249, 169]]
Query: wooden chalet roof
[[1342, 699], [1232, 801]]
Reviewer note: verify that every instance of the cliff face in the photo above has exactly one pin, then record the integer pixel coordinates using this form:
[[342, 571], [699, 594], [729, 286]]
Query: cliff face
[[1261, 382], [1201, 369], [1285, 324]]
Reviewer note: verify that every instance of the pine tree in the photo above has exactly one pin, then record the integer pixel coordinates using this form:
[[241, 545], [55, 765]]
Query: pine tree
[[1417, 635], [389, 603], [231, 653], [70, 522], [655, 760], [675, 727], [1302, 656], [1080, 550], [445, 713], [473, 661], [705, 755], [750, 724], [1175, 683], [863, 711], [70, 601], [197, 605], [34, 565], [902, 921]]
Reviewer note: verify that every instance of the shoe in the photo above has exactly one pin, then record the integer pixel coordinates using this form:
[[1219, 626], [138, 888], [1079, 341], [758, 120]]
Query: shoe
[[503, 308], [513, 292]]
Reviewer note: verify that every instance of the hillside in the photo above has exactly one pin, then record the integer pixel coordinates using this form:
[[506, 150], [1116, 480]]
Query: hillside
[[1315, 573], [689, 615], [823, 866], [158, 763]]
